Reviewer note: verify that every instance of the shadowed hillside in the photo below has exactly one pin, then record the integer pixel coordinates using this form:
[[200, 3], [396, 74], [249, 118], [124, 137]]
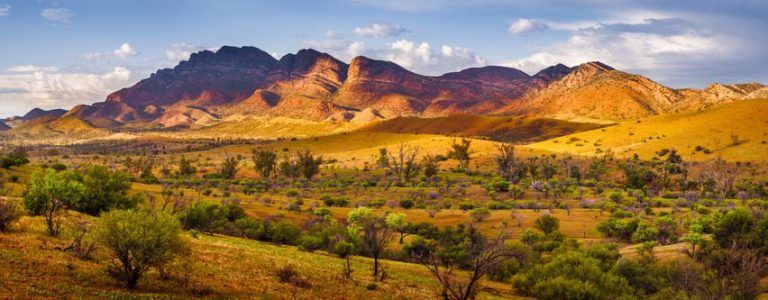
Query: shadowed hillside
[[507, 129]]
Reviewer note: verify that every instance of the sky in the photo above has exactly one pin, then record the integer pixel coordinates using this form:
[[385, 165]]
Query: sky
[[56, 54]]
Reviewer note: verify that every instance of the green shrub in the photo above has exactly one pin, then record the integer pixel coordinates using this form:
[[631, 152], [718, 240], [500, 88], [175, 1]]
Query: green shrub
[[139, 240]]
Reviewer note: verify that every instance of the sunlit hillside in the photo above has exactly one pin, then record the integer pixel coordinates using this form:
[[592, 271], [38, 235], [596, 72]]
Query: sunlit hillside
[[736, 131]]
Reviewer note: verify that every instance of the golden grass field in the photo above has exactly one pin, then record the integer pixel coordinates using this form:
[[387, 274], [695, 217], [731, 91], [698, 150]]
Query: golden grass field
[[711, 129]]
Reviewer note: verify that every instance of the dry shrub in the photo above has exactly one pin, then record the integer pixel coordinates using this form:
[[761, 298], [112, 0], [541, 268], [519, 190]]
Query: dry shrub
[[8, 214], [288, 274]]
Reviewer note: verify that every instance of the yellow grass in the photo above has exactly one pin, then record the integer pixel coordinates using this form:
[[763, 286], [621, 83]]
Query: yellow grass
[[711, 129]]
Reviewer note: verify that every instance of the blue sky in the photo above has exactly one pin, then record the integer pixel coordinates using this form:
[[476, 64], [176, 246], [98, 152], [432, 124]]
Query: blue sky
[[61, 53]]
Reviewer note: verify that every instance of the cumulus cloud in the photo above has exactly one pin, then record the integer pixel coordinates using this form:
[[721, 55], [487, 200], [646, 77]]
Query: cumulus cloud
[[124, 51], [524, 26], [57, 14], [380, 29], [5, 9], [31, 87], [182, 51], [420, 57], [647, 46]]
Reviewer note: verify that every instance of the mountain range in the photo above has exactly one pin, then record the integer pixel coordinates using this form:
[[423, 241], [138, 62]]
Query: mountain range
[[212, 87]]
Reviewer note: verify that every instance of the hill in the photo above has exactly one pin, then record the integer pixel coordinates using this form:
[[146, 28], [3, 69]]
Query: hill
[[53, 130], [506, 128], [736, 131]]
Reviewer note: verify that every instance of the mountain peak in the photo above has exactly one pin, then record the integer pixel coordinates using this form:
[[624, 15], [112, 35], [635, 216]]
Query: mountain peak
[[229, 56], [553, 73], [595, 66]]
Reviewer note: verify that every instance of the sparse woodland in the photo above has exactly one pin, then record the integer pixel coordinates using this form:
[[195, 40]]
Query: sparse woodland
[[461, 224]]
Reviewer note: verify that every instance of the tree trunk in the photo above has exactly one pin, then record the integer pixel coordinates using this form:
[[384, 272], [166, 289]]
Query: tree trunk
[[376, 265]]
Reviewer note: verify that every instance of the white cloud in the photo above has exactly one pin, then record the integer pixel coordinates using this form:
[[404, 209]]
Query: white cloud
[[408, 54], [380, 29], [418, 57], [57, 14], [124, 51], [524, 26], [31, 87], [182, 51], [5, 9], [651, 44], [32, 68]]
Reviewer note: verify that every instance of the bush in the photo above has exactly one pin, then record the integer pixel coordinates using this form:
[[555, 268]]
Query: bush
[[58, 166], [251, 228], [547, 224], [466, 205], [8, 214], [284, 233], [104, 190], [139, 240], [406, 203], [311, 243], [480, 214], [288, 274]]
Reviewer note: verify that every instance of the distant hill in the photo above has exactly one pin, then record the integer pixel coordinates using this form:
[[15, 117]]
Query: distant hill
[[499, 128], [736, 131], [33, 114], [56, 130]]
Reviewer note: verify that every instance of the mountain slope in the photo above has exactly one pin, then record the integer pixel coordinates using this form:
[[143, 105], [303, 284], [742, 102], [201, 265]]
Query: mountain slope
[[597, 91], [699, 135]]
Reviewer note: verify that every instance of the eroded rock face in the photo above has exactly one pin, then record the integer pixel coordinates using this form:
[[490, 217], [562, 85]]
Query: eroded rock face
[[313, 85], [308, 84]]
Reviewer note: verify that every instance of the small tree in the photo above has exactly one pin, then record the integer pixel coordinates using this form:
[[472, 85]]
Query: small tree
[[308, 164], [429, 166], [478, 255], [461, 153], [505, 161], [48, 193], [290, 168], [229, 167], [186, 168], [104, 190], [480, 214], [344, 250], [547, 224], [264, 162], [402, 163], [139, 240], [374, 231], [398, 224]]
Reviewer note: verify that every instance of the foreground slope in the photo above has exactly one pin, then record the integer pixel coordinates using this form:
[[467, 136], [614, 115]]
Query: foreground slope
[[218, 267], [736, 131]]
